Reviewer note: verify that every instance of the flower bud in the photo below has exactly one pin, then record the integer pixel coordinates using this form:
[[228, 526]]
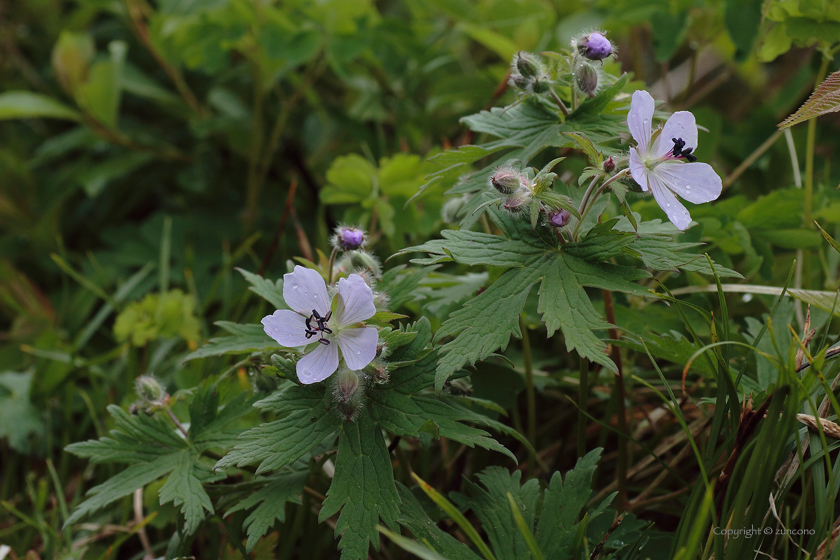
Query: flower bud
[[506, 181], [362, 260], [558, 219], [586, 77], [594, 46], [378, 370], [348, 238], [517, 201], [609, 165], [348, 391], [541, 85], [519, 81], [527, 64], [149, 389]]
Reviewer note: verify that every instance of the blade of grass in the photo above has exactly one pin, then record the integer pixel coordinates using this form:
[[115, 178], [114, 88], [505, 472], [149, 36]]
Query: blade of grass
[[456, 516], [530, 541], [414, 547]]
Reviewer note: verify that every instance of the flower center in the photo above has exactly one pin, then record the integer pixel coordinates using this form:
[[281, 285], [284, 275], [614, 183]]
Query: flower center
[[680, 151], [320, 326]]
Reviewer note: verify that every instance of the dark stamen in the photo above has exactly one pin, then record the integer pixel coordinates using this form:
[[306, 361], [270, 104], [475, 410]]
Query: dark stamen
[[324, 341], [681, 151]]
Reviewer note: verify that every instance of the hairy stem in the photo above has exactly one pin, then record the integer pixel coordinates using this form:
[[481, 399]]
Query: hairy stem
[[331, 265], [177, 422], [559, 102]]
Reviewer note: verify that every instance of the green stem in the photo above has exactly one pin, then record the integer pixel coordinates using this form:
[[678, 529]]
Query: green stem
[[529, 384], [620, 396], [809, 175], [559, 102], [616, 177], [331, 265], [583, 405]]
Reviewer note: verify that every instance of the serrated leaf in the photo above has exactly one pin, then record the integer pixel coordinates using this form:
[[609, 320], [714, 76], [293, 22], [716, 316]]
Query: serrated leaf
[[562, 504], [825, 99], [401, 283], [19, 418], [465, 154], [185, 489], [363, 488], [270, 502], [490, 504], [306, 421], [595, 157], [596, 105], [663, 253], [272, 292], [558, 201], [247, 338], [601, 243]]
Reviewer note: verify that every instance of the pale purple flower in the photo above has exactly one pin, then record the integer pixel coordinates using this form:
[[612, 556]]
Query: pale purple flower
[[657, 165], [312, 321]]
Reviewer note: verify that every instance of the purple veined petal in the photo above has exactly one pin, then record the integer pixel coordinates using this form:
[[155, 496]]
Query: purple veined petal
[[680, 125], [318, 364], [696, 182], [354, 301], [286, 327], [305, 290], [639, 119], [358, 346], [667, 200], [638, 169]]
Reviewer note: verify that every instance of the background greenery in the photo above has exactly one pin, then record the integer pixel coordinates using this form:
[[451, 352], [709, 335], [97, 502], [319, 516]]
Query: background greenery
[[149, 148]]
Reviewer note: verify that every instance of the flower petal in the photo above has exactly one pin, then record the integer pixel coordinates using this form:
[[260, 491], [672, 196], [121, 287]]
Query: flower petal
[[638, 169], [639, 118], [696, 182], [286, 327], [668, 201], [354, 301], [680, 125], [305, 290], [358, 346], [318, 364]]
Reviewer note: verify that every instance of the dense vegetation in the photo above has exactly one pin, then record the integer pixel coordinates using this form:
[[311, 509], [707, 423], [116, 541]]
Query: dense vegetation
[[552, 364]]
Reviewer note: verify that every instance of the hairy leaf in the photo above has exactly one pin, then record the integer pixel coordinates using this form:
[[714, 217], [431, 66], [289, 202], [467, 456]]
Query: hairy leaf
[[825, 99]]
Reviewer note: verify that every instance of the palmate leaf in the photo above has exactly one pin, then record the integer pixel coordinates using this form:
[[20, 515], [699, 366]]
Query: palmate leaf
[[363, 488], [270, 502], [305, 421], [825, 99], [244, 339], [154, 449], [271, 291]]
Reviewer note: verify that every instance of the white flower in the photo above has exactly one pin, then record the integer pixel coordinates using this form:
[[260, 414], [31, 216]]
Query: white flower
[[333, 327], [658, 165]]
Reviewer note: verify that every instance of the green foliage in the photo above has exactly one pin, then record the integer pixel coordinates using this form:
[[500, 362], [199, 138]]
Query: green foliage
[[158, 315], [19, 419]]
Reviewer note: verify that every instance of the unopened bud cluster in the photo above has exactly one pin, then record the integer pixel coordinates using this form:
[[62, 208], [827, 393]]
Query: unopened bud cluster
[[514, 185], [528, 73], [348, 393]]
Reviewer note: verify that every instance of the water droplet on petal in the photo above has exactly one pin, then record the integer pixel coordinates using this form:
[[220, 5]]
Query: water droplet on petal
[[668, 205], [358, 352], [295, 286], [688, 187], [306, 374]]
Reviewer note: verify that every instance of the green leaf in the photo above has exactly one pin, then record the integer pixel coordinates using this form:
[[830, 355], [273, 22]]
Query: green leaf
[[98, 175], [524, 529], [831, 240], [248, 338], [595, 157], [596, 105], [411, 546], [28, 105], [363, 488], [185, 488], [825, 99], [663, 253], [601, 243], [490, 504], [19, 419], [270, 291], [562, 504], [306, 420], [350, 180], [100, 94], [271, 502]]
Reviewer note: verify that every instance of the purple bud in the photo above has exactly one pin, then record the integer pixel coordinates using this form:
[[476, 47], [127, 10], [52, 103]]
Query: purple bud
[[609, 165], [595, 46], [350, 238], [558, 219]]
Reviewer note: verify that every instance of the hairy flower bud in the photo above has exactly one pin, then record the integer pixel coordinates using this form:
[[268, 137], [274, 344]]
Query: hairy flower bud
[[362, 260], [517, 201], [149, 389], [586, 77], [348, 391], [527, 64], [378, 370], [541, 85], [506, 181], [594, 46], [348, 238], [558, 219], [609, 165]]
